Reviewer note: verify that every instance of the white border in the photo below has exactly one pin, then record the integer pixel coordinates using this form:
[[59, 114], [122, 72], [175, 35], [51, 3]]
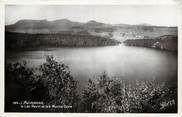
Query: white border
[[178, 4]]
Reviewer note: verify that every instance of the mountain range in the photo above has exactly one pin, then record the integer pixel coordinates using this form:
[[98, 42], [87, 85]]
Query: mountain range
[[56, 26], [120, 32]]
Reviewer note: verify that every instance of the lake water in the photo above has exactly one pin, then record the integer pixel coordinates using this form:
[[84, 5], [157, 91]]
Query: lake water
[[121, 61]]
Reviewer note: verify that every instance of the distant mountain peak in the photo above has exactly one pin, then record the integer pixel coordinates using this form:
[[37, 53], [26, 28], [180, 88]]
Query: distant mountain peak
[[94, 22], [145, 24]]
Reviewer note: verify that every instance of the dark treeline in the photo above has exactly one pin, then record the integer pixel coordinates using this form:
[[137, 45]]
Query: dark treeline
[[54, 85], [24, 41], [166, 42]]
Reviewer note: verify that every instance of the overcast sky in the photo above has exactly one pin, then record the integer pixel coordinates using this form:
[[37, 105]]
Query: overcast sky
[[165, 15]]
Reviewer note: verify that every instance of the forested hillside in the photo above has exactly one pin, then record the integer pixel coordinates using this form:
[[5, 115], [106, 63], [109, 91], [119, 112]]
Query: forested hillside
[[24, 41], [166, 42]]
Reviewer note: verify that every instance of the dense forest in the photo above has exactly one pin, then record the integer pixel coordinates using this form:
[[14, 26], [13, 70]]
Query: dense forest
[[166, 42], [55, 90], [25, 41]]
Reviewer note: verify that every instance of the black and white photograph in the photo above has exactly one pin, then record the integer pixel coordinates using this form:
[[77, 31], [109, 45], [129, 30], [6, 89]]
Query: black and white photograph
[[91, 58]]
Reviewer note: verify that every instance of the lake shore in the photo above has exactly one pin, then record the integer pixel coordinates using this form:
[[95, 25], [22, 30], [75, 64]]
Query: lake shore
[[167, 42]]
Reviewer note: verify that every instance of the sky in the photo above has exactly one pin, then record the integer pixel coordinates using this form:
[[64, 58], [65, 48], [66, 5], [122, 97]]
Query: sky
[[161, 15]]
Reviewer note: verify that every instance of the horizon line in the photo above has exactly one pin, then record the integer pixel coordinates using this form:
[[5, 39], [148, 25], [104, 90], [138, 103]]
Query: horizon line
[[144, 23]]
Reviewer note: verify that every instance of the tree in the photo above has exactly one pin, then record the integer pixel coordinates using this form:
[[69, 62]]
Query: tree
[[61, 85], [21, 84]]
